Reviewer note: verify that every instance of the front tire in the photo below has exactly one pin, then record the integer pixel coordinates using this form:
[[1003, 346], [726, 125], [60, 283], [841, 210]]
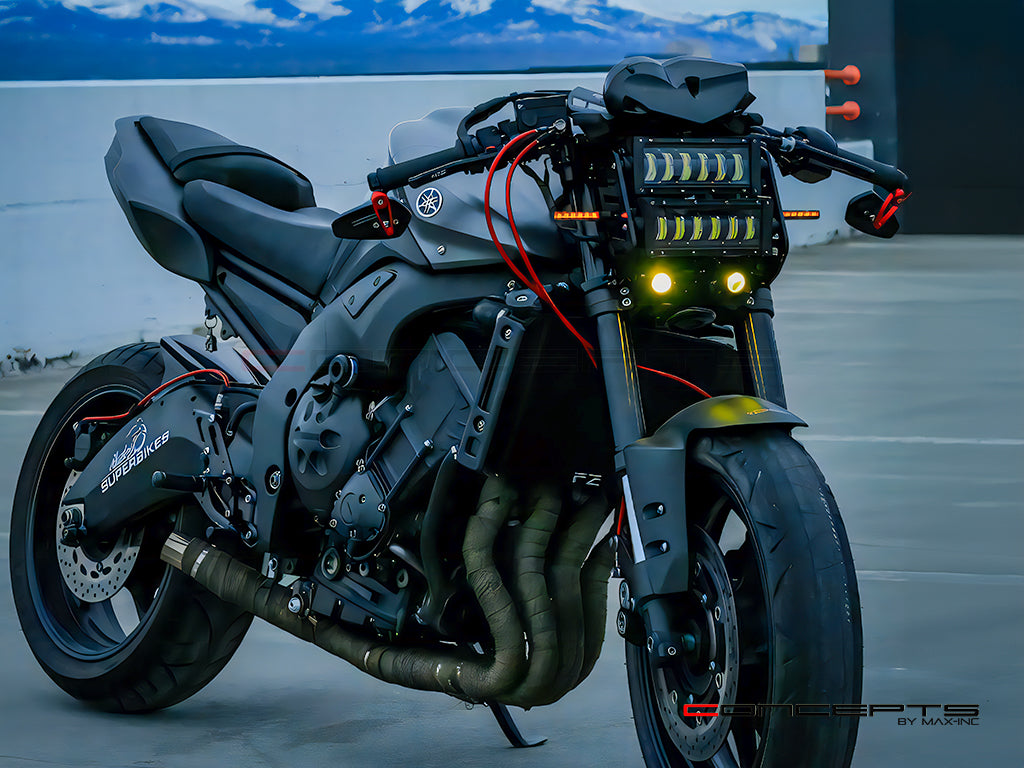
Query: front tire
[[131, 642], [775, 612]]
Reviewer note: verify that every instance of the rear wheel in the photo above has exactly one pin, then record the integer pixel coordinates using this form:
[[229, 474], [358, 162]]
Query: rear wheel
[[773, 616], [111, 623]]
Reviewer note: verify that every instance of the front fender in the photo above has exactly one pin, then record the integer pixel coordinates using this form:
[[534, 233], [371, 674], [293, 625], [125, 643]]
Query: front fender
[[655, 486]]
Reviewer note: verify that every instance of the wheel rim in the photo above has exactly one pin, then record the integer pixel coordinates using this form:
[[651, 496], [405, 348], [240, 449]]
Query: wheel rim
[[90, 617], [727, 570], [706, 674]]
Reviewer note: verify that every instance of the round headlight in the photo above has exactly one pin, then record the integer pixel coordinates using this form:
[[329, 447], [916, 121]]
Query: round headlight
[[736, 282], [661, 283]]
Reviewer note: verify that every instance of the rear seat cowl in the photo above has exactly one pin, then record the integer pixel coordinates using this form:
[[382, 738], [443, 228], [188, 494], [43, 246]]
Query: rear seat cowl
[[192, 153]]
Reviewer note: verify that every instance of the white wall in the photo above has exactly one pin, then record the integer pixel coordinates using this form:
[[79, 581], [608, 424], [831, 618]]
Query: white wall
[[75, 278]]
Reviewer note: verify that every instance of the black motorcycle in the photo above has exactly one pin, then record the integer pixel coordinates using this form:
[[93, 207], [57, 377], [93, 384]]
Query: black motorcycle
[[459, 417]]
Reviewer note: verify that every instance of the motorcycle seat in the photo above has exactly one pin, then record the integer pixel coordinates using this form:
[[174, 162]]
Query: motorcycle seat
[[192, 153], [296, 246]]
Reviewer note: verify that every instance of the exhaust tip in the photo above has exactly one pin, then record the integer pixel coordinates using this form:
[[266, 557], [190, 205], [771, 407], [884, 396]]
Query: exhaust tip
[[173, 552]]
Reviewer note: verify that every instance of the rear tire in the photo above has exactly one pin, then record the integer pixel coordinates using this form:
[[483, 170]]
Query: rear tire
[[786, 612], [161, 637]]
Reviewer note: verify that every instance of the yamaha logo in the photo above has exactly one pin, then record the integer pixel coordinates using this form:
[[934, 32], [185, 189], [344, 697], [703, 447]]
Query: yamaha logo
[[429, 202]]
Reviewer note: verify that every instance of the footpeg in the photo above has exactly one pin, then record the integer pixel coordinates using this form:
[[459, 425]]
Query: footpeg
[[172, 482]]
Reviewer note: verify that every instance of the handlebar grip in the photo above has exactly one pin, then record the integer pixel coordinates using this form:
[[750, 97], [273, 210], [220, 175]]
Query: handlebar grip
[[398, 175], [888, 176]]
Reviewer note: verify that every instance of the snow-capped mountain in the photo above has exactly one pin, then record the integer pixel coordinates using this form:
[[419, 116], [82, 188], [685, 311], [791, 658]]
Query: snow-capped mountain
[[87, 39]]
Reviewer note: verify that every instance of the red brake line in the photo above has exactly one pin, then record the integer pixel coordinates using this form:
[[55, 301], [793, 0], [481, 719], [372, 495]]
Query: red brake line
[[537, 284], [487, 209], [532, 280], [681, 380], [144, 401]]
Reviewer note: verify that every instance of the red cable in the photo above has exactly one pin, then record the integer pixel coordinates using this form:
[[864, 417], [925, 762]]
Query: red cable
[[487, 209], [692, 386], [622, 514], [538, 286], [151, 395]]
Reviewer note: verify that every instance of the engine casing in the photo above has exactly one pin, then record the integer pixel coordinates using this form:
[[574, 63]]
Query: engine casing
[[328, 432]]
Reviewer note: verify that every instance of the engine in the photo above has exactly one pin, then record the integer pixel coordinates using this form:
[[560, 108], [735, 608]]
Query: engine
[[411, 552], [359, 466]]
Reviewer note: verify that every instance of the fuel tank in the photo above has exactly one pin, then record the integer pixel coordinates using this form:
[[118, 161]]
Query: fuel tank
[[448, 214]]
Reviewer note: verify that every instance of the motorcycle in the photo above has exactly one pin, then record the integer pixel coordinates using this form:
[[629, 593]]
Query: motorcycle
[[460, 418]]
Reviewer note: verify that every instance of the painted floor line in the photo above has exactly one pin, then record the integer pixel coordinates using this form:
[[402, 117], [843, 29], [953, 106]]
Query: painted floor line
[[912, 439], [21, 413], [981, 579], [917, 274]]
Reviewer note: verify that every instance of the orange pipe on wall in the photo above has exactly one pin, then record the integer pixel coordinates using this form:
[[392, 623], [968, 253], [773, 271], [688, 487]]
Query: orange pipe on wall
[[848, 74], [849, 110]]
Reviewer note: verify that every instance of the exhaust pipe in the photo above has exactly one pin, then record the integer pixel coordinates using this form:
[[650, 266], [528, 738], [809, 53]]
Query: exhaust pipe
[[564, 599], [465, 676], [594, 582], [533, 597], [566, 632]]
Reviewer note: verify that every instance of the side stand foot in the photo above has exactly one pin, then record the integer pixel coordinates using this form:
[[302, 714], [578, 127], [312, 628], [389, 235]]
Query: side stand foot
[[510, 729]]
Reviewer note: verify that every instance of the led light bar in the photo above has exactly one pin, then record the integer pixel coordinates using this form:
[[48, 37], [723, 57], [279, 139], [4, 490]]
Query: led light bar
[[660, 165], [802, 214], [723, 228]]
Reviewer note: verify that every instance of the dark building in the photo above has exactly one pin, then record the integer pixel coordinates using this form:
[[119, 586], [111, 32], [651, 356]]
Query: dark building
[[942, 95]]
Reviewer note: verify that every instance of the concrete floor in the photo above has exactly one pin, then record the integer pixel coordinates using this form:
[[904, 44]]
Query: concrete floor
[[905, 357]]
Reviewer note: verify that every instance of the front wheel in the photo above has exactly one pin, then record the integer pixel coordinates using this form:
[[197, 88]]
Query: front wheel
[[773, 618]]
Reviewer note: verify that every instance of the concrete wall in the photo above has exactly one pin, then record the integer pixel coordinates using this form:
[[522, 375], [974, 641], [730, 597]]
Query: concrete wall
[[75, 278]]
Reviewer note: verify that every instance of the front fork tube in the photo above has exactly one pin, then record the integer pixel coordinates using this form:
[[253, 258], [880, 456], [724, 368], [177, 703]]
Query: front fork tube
[[755, 341], [653, 573], [618, 366]]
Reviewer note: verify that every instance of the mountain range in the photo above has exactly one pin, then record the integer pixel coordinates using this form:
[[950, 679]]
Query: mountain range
[[142, 39]]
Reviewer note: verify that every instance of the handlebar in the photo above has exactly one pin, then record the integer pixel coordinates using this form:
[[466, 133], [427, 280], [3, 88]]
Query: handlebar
[[471, 151], [801, 147], [888, 177], [398, 175], [805, 152]]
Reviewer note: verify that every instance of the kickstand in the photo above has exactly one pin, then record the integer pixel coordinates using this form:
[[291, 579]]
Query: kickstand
[[509, 728]]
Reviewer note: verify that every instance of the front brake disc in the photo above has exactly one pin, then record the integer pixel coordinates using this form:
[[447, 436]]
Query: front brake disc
[[708, 674]]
